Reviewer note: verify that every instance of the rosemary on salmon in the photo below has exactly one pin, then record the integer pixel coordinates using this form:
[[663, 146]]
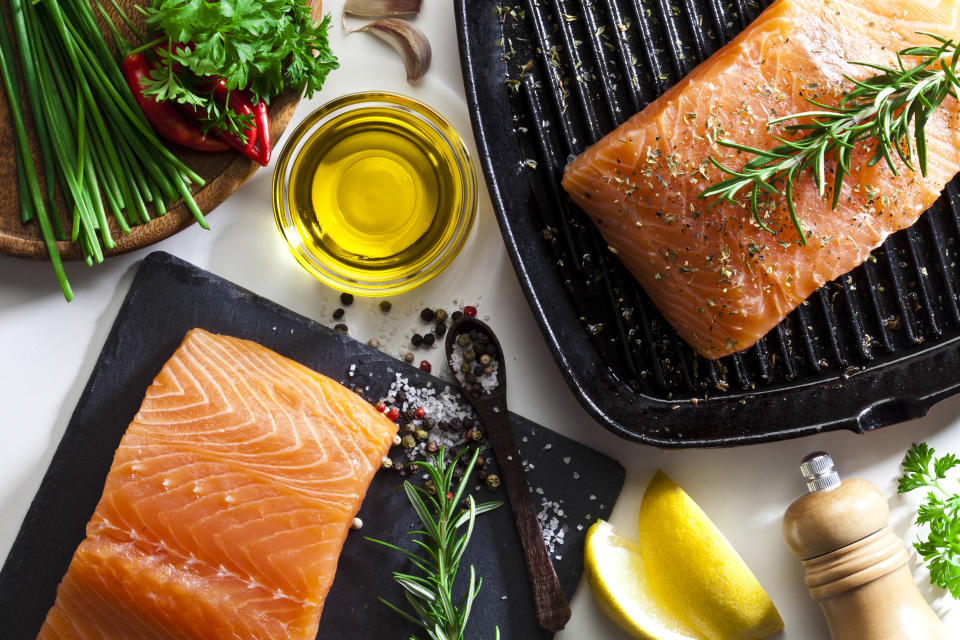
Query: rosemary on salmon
[[881, 109]]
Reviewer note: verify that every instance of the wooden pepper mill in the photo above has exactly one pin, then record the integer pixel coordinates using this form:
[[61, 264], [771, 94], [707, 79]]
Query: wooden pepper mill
[[856, 567]]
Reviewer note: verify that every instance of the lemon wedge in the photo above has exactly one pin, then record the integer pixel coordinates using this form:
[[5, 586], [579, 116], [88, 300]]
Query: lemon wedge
[[615, 570], [681, 579]]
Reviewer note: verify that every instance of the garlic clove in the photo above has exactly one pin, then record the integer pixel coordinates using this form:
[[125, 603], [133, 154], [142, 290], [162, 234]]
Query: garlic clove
[[410, 42], [380, 8]]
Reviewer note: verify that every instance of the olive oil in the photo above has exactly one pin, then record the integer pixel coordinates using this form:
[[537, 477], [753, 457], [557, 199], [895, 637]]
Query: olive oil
[[377, 195]]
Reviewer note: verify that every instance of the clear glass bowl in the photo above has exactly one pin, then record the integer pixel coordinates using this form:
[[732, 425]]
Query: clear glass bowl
[[374, 193]]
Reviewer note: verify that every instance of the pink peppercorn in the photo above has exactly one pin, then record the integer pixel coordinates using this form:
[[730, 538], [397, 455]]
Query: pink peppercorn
[[425, 366], [393, 414], [380, 406], [470, 310]]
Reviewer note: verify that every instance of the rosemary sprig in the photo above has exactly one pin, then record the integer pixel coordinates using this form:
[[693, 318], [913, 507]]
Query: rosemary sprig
[[881, 108], [440, 547]]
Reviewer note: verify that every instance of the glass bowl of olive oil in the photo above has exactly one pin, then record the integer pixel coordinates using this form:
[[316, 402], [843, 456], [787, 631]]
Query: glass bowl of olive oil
[[375, 193]]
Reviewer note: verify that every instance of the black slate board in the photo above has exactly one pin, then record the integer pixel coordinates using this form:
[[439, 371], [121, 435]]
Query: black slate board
[[167, 298]]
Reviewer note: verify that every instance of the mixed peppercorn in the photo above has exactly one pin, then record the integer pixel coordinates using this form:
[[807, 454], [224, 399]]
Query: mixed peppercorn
[[415, 428]]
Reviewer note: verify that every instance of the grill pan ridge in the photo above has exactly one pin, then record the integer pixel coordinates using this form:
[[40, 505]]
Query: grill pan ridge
[[547, 78]]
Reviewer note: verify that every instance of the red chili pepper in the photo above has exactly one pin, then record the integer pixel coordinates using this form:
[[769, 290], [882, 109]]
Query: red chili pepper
[[162, 116]]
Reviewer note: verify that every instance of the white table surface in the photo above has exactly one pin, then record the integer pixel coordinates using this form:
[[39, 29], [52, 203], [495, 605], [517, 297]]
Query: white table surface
[[48, 349]]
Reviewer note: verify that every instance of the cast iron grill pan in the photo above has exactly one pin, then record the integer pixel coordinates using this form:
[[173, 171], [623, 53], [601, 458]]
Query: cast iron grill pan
[[545, 79]]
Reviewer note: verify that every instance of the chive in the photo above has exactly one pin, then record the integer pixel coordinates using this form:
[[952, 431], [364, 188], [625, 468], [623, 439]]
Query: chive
[[9, 82]]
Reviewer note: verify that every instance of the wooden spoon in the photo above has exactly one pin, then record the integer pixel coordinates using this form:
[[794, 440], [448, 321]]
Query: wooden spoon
[[490, 403]]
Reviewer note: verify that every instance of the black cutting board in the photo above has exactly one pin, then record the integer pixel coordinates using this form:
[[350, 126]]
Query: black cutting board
[[167, 298]]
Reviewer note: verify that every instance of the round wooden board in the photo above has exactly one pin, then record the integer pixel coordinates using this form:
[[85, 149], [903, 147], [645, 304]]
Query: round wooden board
[[223, 174]]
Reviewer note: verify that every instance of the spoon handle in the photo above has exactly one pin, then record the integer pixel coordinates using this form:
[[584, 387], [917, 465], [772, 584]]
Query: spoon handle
[[553, 612]]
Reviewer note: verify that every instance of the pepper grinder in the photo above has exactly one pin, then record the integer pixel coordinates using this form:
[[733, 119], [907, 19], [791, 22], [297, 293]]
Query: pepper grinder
[[856, 567]]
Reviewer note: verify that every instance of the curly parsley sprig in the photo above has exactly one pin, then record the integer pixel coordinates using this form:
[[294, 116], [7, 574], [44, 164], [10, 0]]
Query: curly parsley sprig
[[941, 511], [882, 109], [261, 46]]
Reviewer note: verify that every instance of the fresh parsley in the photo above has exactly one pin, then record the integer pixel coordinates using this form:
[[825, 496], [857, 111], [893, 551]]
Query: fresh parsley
[[941, 512], [261, 46]]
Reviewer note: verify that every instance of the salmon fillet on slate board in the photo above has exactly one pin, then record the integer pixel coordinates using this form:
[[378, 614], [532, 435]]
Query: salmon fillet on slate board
[[168, 298], [227, 504]]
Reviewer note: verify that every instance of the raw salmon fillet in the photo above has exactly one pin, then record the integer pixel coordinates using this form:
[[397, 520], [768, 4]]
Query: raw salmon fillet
[[227, 504], [717, 277]]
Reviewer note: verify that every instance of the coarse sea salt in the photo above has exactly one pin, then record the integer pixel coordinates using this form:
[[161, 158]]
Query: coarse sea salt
[[440, 405], [551, 524]]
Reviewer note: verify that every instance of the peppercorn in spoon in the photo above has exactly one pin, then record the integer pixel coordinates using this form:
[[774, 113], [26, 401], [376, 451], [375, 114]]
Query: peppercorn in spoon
[[474, 357]]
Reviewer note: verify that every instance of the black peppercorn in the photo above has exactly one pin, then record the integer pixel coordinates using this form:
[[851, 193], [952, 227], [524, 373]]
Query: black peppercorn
[[429, 339], [409, 415], [427, 315], [433, 447], [338, 314], [401, 397], [346, 299], [342, 328], [429, 423], [416, 340], [440, 329], [385, 306], [456, 316], [470, 378]]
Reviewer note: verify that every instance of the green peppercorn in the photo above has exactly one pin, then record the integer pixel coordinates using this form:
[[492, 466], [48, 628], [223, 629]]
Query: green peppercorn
[[387, 463], [475, 435], [488, 371], [410, 428], [342, 328], [493, 481], [465, 368], [385, 306], [469, 355], [430, 487], [422, 434], [485, 359], [440, 315], [409, 442], [463, 340]]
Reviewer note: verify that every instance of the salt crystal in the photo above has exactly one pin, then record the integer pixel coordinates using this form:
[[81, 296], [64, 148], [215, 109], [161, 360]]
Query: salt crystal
[[566, 460], [576, 476]]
